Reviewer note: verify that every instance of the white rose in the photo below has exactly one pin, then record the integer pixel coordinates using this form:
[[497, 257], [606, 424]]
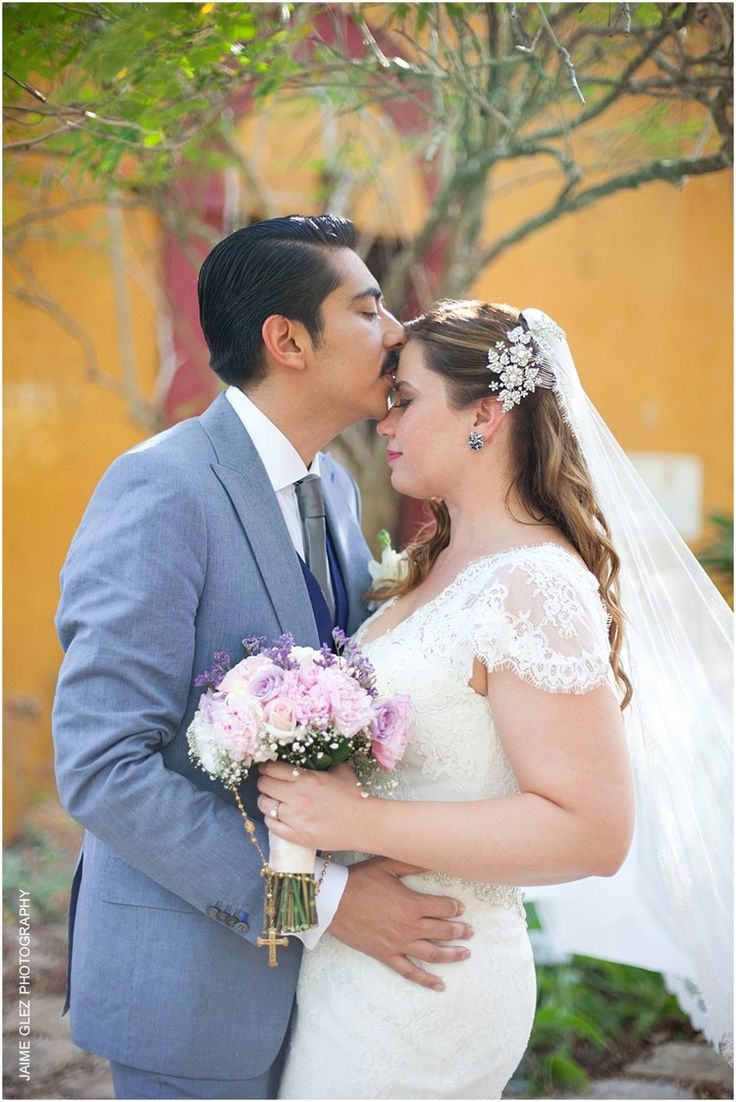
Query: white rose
[[199, 736], [305, 656]]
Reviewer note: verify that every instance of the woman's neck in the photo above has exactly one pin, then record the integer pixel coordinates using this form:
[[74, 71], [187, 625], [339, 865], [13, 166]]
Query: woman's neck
[[480, 529]]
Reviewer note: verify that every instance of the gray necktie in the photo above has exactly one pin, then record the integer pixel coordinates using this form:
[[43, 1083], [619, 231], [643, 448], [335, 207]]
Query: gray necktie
[[312, 511]]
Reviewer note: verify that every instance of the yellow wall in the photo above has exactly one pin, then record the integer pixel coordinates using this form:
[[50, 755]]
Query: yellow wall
[[641, 282], [61, 432]]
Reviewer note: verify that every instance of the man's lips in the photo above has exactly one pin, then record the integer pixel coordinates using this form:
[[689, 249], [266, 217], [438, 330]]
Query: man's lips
[[393, 455], [390, 363]]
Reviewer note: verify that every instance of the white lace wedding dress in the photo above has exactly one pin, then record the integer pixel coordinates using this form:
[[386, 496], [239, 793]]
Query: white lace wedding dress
[[361, 1030]]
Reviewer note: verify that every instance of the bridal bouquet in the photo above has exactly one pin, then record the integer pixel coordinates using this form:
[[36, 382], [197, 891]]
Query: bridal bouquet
[[313, 708]]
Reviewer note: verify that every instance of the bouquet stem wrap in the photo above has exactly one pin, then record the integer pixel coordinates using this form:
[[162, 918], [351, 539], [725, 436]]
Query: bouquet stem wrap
[[291, 889]]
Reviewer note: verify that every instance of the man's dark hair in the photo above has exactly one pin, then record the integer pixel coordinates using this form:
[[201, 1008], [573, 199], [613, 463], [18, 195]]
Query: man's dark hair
[[280, 266]]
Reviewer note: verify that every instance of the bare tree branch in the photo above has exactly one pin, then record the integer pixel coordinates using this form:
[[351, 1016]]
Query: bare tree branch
[[45, 214], [563, 52], [671, 171], [27, 143]]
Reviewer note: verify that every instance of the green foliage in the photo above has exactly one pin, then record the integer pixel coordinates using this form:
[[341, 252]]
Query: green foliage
[[141, 94], [718, 552], [146, 79], [592, 1017], [660, 129], [43, 865]]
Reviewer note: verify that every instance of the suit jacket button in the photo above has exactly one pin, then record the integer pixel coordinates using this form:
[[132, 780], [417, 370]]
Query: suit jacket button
[[213, 912], [241, 927]]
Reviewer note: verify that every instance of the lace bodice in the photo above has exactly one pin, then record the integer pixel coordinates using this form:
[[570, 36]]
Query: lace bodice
[[534, 610]]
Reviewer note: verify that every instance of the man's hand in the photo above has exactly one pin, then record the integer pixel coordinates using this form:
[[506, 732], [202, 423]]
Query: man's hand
[[380, 916]]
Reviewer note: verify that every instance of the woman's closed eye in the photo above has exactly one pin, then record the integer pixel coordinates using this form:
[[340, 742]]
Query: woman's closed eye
[[395, 400]]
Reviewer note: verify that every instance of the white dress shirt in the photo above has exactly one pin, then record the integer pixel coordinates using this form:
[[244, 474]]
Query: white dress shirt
[[284, 466]]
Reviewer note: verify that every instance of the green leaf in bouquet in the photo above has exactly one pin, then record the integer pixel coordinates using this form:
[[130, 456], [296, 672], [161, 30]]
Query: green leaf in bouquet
[[341, 754]]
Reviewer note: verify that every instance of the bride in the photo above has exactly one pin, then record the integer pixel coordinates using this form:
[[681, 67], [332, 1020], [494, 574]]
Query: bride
[[508, 631]]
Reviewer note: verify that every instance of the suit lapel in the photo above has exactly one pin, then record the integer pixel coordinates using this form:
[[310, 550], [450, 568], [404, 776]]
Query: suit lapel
[[243, 476]]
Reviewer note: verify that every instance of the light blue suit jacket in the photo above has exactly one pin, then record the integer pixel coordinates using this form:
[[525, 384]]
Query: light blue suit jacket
[[183, 550]]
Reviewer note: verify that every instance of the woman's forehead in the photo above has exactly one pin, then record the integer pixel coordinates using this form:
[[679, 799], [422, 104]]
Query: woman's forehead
[[411, 362]]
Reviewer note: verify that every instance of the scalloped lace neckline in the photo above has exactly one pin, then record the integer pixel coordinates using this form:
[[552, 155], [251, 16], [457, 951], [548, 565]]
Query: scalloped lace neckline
[[450, 587]]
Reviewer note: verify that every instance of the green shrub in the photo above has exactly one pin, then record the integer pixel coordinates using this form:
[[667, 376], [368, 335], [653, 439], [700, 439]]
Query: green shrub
[[592, 1017]]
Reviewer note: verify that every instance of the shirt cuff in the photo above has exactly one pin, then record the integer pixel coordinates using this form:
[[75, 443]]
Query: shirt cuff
[[328, 900]]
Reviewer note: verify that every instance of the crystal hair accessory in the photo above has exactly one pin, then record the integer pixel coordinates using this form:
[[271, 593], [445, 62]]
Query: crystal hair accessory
[[519, 367]]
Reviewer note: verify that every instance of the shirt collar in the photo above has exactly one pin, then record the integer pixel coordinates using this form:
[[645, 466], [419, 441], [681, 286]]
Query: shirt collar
[[284, 466]]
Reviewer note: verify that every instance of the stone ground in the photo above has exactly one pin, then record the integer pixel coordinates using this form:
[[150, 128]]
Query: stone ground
[[42, 863], [60, 1070]]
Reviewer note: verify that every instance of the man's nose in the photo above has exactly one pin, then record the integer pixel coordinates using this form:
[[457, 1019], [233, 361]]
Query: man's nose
[[393, 331]]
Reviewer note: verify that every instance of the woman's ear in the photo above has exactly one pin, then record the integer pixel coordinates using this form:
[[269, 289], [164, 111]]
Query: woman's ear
[[489, 416], [284, 341]]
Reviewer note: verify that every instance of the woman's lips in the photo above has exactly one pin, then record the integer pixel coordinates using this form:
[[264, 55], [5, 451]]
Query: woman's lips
[[393, 455]]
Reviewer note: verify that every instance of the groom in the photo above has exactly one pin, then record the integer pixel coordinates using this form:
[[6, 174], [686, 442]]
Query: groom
[[193, 540]]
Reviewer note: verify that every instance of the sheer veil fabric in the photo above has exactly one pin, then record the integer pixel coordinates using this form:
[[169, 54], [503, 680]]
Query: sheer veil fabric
[[670, 906]]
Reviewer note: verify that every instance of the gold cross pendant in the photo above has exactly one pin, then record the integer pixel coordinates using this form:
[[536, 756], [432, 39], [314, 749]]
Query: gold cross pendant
[[271, 942]]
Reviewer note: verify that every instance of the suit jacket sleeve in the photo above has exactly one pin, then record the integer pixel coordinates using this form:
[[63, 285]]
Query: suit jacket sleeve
[[130, 592]]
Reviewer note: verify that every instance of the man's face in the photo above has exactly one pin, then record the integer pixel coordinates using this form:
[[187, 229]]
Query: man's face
[[358, 348]]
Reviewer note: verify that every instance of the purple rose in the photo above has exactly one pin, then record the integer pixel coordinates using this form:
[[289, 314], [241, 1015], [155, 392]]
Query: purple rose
[[239, 676], [390, 729], [265, 684]]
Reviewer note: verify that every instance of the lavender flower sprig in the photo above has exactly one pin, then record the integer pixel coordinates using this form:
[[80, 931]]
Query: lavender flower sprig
[[211, 679], [280, 652], [357, 665]]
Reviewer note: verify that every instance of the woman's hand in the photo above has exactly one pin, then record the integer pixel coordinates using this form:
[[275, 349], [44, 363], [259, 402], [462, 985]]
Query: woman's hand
[[314, 808]]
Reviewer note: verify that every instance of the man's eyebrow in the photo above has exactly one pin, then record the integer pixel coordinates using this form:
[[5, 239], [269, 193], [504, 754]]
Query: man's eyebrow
[[370, 292]]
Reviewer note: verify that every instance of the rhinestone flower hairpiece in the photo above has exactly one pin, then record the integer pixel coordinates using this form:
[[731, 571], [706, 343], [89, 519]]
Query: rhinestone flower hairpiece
[[518, 367]]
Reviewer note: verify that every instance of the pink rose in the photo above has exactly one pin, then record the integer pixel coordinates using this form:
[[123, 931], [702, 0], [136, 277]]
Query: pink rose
[[236, 721], [390, 730], [205, 709], [280, 720], [350, 704], [304, 689]]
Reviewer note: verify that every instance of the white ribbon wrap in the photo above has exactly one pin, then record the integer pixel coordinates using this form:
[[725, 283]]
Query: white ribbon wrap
[[287, 857]]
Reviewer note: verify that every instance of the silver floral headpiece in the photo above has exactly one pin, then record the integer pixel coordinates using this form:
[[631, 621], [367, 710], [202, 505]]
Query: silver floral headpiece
[[519, 367]]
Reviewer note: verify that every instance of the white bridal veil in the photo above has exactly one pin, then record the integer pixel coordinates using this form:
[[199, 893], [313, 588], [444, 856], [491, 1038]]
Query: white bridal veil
[[669, 908]]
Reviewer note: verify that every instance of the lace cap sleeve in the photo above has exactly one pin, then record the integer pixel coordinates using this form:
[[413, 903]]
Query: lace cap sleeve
[[541, 616]]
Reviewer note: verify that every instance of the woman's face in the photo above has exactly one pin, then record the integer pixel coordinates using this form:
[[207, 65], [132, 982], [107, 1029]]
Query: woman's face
[[427, 439]]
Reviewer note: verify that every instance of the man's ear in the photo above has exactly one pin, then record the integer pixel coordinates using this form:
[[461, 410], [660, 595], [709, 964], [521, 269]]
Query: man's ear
[[489, 416], [284, 341]]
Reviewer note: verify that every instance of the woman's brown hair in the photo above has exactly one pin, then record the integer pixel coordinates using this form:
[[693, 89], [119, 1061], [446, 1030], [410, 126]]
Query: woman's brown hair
[[551, 480]]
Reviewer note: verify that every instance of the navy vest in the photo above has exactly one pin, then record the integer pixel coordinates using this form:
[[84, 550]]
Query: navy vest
[[319, 604]]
